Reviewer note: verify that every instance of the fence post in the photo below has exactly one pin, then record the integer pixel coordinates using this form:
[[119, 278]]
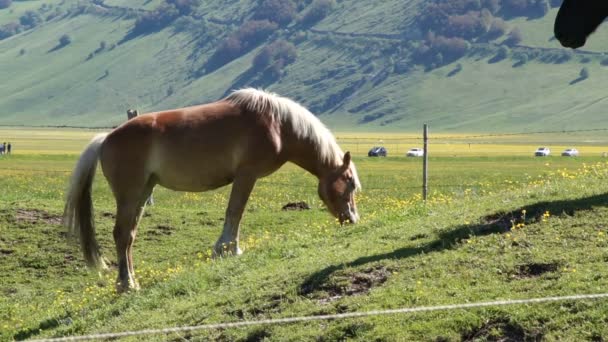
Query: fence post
[[425, 163]]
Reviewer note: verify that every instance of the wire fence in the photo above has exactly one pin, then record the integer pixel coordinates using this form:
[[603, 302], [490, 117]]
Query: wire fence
[[441, 145], [292, 320]]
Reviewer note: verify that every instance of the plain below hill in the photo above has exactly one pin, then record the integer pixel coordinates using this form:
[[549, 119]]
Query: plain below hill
[[459, 65]]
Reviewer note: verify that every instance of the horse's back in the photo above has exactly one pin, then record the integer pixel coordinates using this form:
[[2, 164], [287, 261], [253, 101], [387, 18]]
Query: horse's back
[[195, 148]]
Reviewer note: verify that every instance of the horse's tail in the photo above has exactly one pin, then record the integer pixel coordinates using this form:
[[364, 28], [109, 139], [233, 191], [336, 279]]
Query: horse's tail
[[78, 212]]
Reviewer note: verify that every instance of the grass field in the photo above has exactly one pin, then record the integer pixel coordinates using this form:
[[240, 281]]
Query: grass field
[[496, 226]]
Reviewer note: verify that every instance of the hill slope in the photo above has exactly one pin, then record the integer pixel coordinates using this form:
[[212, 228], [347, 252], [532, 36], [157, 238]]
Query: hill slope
[[358, 65]]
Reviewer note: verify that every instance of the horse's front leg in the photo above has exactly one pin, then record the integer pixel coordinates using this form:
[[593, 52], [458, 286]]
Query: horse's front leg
[[228, 243]]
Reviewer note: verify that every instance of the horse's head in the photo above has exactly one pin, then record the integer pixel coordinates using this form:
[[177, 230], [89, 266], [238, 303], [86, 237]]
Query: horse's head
[[577, 19], [337, 190]]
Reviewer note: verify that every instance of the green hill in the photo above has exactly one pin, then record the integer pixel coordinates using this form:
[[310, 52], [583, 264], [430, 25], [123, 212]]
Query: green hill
[[358, 65]]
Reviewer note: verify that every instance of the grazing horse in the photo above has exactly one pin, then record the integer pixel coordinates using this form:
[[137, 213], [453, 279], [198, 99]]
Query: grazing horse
[[577, 19], [248, 135]]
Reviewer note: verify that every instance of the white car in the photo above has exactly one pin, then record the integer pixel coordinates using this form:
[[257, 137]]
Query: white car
[[570, 152], [542, 152], [415, 152]]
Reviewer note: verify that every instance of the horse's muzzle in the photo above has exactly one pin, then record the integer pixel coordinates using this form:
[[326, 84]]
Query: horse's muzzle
[[349, 217]]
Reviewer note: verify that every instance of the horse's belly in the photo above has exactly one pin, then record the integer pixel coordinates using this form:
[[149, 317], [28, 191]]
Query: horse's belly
[[193, 181]]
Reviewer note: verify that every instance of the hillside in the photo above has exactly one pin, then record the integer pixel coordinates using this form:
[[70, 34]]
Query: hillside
[[363, 65]]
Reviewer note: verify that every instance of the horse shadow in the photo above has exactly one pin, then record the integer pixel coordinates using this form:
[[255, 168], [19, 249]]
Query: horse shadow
[[499, 222]]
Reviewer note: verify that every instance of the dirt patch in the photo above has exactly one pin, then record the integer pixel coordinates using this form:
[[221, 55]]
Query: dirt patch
[[534, 270], [6, 251], [296, 206], [504, 221], [502, 330], [108, 214], [352, 284], [161, 230], [36, 216]]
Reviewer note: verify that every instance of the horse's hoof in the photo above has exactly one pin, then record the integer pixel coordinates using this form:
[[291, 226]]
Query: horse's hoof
[[224, 250], [130, 287]]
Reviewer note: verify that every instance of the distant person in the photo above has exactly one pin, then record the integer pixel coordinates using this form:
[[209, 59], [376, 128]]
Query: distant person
[[132, 113], [8, 148], [2, 149]]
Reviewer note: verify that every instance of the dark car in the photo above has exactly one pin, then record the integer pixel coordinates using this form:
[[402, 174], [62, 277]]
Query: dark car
[[377, 151]]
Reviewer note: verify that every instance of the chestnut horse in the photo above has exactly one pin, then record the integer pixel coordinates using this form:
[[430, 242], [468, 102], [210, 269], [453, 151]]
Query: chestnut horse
[[248, 135], [577, 19]]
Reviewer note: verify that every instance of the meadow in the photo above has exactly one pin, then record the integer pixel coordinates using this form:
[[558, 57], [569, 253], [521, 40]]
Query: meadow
[[499, 224]]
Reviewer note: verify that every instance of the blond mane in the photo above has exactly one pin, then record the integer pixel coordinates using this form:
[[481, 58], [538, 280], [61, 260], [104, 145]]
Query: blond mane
[[286, 111]]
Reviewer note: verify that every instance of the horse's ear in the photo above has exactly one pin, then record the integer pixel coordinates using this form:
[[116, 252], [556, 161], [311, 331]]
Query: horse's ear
[[346, 161]]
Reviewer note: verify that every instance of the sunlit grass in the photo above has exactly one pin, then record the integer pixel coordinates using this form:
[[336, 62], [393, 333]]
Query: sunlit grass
[[48, 291]]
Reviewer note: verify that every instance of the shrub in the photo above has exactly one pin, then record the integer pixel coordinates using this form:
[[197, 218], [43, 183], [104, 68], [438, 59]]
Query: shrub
[[262, 59], [5, 4], [240, 42], [497, 29], [515, 37], [281, 12], [276, 55], [30, 19], [318, 10], [468, 26], [450, 48], [64, 40], [157, 19], [184, 7], [254, 31], [9, 29], [503, 52]]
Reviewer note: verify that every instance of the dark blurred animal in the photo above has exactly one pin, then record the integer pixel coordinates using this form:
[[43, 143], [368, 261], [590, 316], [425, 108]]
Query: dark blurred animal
[[578, 19]]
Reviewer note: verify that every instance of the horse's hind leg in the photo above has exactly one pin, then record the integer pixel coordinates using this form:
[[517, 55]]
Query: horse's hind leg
[[128, 214]]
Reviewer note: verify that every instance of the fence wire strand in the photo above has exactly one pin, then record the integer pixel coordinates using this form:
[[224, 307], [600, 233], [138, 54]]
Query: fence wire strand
[[290, 320]]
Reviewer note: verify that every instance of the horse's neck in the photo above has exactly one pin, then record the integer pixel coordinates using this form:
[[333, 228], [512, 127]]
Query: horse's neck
[[304, 153]]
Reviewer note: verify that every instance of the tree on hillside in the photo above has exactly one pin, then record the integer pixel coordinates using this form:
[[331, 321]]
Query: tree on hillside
[[30, 19], [247, 37], [584, 74], [5, 3], [184, 7], [497, 29], [64, 40], [318, 10], [275, 57], [515, 37], [10, 29], [281, 12]]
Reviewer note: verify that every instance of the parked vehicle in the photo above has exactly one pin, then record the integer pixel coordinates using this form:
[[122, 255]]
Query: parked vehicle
[[570, 152], [377, 151], [415, 152], [542, 152]]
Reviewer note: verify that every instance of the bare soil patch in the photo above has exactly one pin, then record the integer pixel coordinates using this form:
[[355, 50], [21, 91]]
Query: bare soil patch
[[502, 330], [36, 216], [534, 270], [296, 206], [356, 283]]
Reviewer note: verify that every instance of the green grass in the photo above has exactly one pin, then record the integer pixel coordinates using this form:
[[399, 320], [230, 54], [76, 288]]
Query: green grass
[[471, 242]]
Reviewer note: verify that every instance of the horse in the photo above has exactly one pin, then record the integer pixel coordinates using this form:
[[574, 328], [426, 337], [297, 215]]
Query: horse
[[577, 19], [245, 136]]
